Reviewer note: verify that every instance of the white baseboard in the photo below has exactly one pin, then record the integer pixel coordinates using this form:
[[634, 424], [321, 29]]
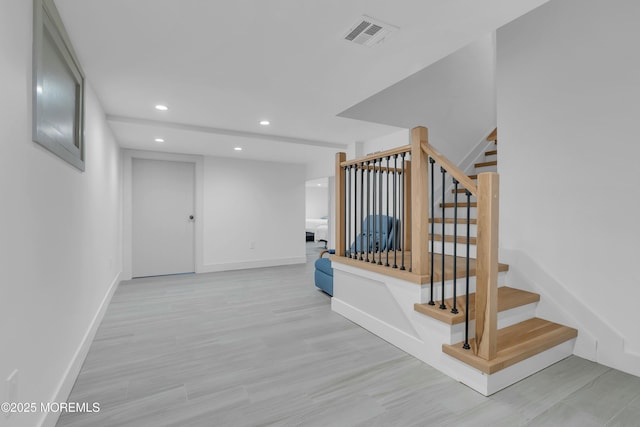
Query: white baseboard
[[242, 265], [71, 374]]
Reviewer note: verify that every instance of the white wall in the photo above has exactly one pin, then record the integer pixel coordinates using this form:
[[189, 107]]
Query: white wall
[[387, 142], [60, 233], [568, 79], [454, 97], [317, 201], [250, 203]]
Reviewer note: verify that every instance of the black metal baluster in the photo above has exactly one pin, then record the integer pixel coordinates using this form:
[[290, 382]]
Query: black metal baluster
[[410, 219], [380, 172], [368, 236], [466, 345], [361, 210], [443, 171], [354, 253], [392, 223], [373, 235], [402, 211], [433, 224], [395, 232], [454, 309], [347, 217]]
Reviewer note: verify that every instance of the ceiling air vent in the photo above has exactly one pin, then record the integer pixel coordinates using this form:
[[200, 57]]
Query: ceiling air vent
[[368, 31]]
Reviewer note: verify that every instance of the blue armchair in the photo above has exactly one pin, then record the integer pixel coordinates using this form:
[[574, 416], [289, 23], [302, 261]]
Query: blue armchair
[[324, 273], [377, 235]]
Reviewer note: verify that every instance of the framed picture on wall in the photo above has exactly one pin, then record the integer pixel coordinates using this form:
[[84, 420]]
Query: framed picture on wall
[[58, 87]]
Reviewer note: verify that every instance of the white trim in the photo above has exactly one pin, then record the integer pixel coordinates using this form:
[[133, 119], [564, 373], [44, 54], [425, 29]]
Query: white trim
[[129, 155], [73, 370], [241, 265]]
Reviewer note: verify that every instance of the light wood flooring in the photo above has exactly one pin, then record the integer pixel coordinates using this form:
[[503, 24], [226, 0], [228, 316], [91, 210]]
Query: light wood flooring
[[262, 347]]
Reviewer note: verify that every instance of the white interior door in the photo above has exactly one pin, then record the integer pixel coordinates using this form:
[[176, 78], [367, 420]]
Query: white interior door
[[163, 224]]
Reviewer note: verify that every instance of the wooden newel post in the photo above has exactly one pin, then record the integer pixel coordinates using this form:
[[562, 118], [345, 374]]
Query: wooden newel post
[[419, 201], [487, 266], [340, 205]]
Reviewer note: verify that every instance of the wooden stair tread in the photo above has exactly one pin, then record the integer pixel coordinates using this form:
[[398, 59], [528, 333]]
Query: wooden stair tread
[[460, 191], [493, 136], [460, 204], [508, 298], [451, 220], [485, 164], [449, 238], [473, 177], [515, 344], [491, 153]]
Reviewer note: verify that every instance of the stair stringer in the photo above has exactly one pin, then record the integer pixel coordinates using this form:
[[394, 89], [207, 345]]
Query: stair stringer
[[597, 340], [384, 305]]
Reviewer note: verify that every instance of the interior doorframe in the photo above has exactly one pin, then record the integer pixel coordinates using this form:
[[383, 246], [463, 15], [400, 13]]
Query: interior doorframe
[[127, 206]]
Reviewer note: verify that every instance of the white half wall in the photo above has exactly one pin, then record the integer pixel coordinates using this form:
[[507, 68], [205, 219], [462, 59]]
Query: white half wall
[[568, 82], [253, 214], [60, 235]]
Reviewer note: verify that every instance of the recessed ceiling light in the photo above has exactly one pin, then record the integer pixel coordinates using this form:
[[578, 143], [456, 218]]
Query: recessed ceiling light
[[238, 148], [265, 122], [159, 140], [319, 185], [161, 107], [39, 89]]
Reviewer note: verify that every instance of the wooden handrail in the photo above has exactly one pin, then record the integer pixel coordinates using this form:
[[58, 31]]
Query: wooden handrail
[[379, 155], [451, 169]]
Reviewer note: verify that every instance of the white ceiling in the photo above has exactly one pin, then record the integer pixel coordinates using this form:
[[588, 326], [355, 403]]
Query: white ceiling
[[223, 65]]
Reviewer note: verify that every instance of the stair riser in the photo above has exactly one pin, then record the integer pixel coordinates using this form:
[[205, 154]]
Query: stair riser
[[449, 228], [505, 319], [461, 249], [483, 169], [462, 212], [448, 287]]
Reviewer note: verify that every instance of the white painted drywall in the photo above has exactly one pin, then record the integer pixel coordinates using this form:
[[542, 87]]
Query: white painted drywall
[[454, 97], [317, 201], [568, 80], [253, 214], [387, 142], [60, 233]]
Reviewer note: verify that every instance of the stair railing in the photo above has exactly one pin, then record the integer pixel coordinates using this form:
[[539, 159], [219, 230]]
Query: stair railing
[[487, 193], [400, 184], [373, 207]]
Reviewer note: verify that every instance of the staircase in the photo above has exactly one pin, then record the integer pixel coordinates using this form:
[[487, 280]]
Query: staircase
[[488, 338], [515, 341]]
